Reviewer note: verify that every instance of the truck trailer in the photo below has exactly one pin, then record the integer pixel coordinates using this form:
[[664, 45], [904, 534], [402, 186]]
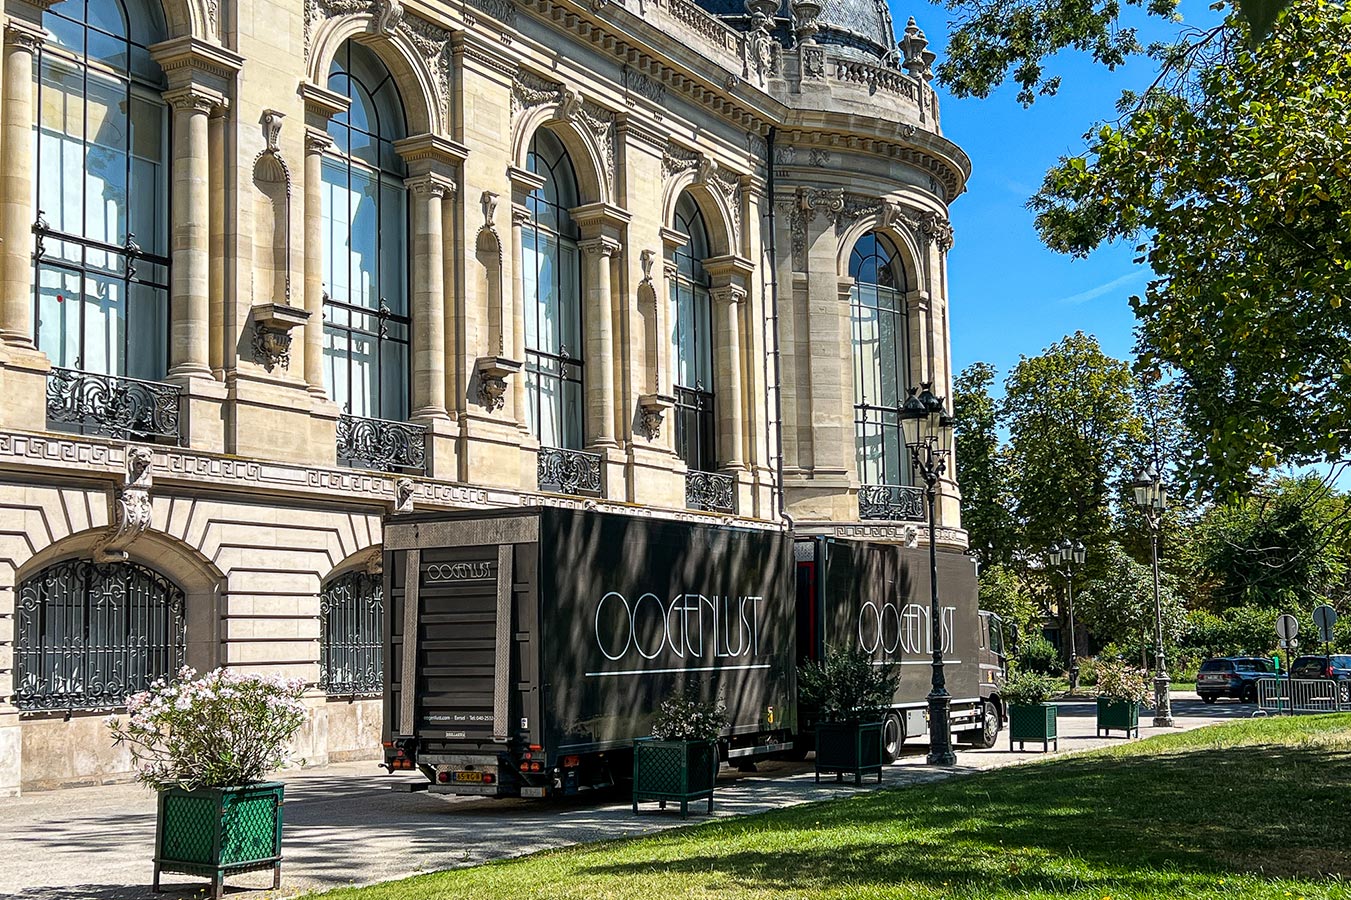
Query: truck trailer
[[526, 650]]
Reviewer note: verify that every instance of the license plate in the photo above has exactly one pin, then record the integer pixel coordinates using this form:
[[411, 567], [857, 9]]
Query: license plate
[[469, 776]]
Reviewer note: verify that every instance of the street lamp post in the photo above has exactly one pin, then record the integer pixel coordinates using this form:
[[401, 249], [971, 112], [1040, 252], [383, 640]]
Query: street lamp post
[[1071, 554], [1152, 498], [928, 435]]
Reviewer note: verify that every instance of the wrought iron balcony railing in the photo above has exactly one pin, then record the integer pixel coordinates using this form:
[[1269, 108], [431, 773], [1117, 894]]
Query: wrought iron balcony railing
[[381, 444], [710, 491], [570, 472], [126, 408], [893, 502]]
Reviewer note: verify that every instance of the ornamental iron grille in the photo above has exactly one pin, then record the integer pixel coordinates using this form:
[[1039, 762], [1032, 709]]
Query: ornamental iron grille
[[351, 654], [692, 341], [881, 339], [710, 491], [570, 472], [552, 280], [89, 635], [367, 327], [893, 502], [101, 234], [125, 408], [382, 445]]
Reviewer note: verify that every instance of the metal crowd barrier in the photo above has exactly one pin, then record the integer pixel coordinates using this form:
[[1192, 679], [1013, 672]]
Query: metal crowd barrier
[[1302, 695]]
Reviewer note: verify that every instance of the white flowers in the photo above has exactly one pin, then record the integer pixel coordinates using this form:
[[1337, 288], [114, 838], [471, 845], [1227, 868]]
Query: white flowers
[[224, 729], [685, 717]]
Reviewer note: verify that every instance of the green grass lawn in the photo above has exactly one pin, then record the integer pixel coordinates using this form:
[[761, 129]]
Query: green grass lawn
[[1248, 809]]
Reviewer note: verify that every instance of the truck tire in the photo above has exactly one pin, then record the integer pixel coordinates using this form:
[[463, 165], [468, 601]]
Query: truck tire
[[989, 734], [893, 736]]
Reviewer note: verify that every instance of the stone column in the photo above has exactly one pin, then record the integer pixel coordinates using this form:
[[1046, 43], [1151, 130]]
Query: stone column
[[600, 348], [428, 300], [519, 396], [17, 215], [316, 142], [189, 351], [727, 303]]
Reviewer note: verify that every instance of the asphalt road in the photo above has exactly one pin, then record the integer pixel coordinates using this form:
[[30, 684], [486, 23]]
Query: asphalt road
[[344, 825]]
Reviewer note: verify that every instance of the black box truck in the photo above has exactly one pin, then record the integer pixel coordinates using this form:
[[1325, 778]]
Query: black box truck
[[525, 650]]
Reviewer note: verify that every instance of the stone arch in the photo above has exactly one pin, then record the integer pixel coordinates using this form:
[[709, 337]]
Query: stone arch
[[195, 18], [200, 580], [584, 149], [718, 216], [366, 559], [416, 82], [902, 238]]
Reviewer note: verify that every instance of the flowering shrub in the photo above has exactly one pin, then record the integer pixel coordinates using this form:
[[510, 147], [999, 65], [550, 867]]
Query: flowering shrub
[[1121, 683], [685, 717], [224, 729], [1028, 689]]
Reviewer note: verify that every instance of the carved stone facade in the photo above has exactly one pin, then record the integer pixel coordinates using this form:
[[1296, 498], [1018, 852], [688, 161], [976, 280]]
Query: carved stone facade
[[241, 501]]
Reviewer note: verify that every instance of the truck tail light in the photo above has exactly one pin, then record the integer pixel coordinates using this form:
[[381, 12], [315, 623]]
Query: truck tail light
[[488, 779], [571, 761], [524, 767], [443, 777], [535, 766]]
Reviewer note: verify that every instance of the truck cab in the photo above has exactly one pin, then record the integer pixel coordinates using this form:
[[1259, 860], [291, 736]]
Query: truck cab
[[993, 662]]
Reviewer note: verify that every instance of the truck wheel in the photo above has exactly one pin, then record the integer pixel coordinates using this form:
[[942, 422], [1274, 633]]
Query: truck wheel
[[893, 735], [990, 731]]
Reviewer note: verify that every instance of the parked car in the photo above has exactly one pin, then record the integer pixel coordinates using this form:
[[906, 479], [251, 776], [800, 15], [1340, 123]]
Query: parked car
[[1232, 676], [1336, 667]]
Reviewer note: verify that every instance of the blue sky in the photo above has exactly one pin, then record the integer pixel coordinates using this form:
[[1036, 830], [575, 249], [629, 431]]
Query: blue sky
[[1010, 295]]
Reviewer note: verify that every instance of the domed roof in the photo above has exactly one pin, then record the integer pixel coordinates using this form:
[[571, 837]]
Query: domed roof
[[861, 25]]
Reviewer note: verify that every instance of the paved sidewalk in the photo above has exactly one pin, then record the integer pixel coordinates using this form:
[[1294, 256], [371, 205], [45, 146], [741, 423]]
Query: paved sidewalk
[[345, 826]]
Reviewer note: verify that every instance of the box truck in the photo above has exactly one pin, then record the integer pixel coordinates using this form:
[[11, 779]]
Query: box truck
[[525, 650]]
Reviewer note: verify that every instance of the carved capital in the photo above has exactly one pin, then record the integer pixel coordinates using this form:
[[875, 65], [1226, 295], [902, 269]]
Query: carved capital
[[601, 246], [317, 141], [192, 100], [430, 186], [731, 294], [23, 37]]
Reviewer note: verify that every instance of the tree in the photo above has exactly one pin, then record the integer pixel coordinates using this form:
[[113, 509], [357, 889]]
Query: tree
[[1003, 593], [1118, 605], [982, 464], [1237, 180], [1072, 427]]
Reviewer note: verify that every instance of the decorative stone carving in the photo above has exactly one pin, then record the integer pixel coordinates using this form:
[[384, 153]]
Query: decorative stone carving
[[272, 324], [267, 166], [404, 491], [646, 259], [760, 52], [807, 202], [388, 16], [493, 372], [647, 88], [806, 15], [818, 158], [528, 91], [503, 11], [915, 57], [601, 123], [130, 510], [933, 227], [652, 410], [813, 62]]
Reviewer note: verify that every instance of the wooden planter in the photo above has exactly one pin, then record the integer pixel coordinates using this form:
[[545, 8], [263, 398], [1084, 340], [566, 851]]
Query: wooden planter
[[1118, 715], [849, 748], [675, 771], [218, 832], [1032, 724]]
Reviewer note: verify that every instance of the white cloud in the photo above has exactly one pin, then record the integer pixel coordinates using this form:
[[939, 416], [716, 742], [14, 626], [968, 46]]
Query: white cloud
[[1094, 293]]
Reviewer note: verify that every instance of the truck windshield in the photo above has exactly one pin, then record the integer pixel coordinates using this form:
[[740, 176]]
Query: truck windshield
[[996, 635]]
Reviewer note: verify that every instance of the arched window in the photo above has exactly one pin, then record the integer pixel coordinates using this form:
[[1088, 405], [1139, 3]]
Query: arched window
[[87, 635], [351, 652], [881, 337], [102, 190], [551, 272], [692, 341], [366, 323]]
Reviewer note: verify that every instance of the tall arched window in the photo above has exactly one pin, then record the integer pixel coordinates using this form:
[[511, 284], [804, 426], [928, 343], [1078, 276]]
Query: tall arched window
[[551, 272], [692, 341], [352, 627], [881, 336], [87, 635], [102, 190], [366, 323]]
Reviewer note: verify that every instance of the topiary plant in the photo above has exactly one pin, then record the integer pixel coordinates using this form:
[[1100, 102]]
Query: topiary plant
[[1028, 689]]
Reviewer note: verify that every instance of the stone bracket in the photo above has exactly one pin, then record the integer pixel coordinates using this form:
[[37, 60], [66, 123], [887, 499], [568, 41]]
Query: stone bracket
[[272, 324], [129, 510], [493, 372], [654, 408]]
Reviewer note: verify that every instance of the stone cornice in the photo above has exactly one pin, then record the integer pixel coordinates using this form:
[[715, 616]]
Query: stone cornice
[[186, 59], [431, 149]]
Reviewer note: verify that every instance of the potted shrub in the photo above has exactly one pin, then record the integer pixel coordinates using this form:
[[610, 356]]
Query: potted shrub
[[850, 693], [1121, 690], [1031, 717], [679, 762], [205, 745]]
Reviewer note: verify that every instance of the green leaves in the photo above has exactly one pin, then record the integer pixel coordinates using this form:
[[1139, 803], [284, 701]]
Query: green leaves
[[1261, 15]]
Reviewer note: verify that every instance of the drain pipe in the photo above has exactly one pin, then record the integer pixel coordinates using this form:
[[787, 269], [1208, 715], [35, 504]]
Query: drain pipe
[[777, 351]]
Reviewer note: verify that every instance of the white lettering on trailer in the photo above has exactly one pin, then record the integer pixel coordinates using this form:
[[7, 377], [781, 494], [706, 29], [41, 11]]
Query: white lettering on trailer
[[689, 626], [912, 633]]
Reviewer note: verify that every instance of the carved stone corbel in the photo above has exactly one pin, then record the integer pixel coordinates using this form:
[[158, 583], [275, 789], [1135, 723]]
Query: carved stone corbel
[[652, 409], [129, 510], [493, 372], [272, 324], [404, 489]]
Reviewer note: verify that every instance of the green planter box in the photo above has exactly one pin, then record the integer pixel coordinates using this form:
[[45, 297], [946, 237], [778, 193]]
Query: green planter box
[[217, 832], [674, 771], [849, 748], [1029, 724], [1118, 715]]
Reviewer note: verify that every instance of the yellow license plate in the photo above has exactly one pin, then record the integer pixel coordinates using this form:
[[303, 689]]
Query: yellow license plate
[[469, 776]]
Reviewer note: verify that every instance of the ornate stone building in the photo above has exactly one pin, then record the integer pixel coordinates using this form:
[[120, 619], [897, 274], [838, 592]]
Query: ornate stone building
[[273, 269]]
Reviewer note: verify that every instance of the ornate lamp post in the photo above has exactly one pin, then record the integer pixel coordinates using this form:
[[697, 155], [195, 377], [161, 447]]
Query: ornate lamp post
[[928, 435], [1071, 555], [1152, 498]]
